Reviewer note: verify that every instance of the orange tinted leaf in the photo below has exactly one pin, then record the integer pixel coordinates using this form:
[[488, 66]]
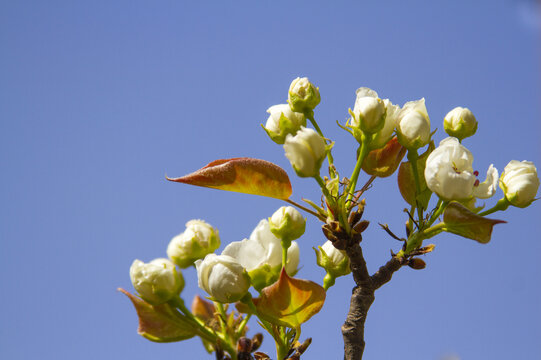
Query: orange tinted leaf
[[461, 221], [159, 323], [383, 162], [289, 301], [245, 175]]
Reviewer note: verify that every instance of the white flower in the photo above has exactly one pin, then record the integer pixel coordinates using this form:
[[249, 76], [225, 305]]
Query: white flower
[[287, 223], [460, 123], [413, 125], [449, 173], [305, 152], [283, 121], [198, 240], [384, 133], [261, 255], [368, 112], [156, 282], [519, 182], [222, 277], [303, 95]]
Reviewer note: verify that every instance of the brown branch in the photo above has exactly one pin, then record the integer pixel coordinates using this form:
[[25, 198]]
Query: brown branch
[[362, 298], [385, 273]]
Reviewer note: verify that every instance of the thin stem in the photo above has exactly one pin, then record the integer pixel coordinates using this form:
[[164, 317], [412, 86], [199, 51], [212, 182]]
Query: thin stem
[[364, 150], [242, 325], [304, 208], [323, 186], [501, 205], [204, 332], [284, 256], [413, 157], [442, 204], [310, 117]]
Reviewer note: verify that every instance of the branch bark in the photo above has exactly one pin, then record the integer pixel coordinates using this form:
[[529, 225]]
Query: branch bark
[[362, 298]]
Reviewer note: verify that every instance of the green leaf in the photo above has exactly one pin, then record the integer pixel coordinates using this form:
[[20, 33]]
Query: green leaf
[[383, 162], [459, 220], [289, 301], [244, 175], [160, 323]]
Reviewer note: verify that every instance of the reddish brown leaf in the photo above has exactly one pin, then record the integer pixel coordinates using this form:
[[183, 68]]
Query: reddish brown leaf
[[383, 162], [159, 323], [289, 301], [461, 221], [245, 175]]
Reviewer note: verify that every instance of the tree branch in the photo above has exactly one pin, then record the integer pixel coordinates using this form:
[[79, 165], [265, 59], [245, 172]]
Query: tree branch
[[362, 298]]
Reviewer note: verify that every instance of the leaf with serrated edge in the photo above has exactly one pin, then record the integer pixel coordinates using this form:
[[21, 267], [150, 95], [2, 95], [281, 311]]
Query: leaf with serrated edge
[[289, 301], [461, 221], [244, 175], [159, 323]]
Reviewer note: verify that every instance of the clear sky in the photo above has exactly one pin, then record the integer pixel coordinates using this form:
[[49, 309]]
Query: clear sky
[[100, 99]]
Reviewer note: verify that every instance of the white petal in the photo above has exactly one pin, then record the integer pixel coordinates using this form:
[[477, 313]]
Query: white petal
[[488, 187]]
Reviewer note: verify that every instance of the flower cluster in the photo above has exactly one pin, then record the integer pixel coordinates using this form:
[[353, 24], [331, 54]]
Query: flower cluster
[[439, 183]]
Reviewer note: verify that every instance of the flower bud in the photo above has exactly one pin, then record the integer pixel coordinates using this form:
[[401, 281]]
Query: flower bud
[[305, 152], [222, 277], [369, 112], [283, 121], [334, 261], [198, 240], [156, 282], [303, 95], [287, 223], [460, 123], [519, 182], [413, 125]]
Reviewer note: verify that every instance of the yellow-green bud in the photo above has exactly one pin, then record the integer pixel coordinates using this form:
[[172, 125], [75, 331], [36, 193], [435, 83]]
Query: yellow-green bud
[[303, 95], [287, 223], [334, 261], [460, 123], [156, 282], [198, 240], [283, 121]]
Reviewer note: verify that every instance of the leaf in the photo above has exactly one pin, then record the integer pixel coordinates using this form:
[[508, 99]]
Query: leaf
[[159, 323], [461, 221], [289, 301], [383, 162], [244, 175], [406, 180]]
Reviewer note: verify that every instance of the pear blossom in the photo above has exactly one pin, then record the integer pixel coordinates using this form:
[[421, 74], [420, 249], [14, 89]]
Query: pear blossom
[[449, 173], [303, 96], [460, 123], [222, 277], [305, 151], [519, 182], [282, 121], [157, 281], [198, 240], [335, 261], [261, 255], [384, 132], [413, 125], [368, 112], [287, 223]]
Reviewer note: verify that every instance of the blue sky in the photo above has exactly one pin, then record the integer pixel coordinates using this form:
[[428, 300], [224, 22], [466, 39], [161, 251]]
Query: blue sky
[[99, 100]]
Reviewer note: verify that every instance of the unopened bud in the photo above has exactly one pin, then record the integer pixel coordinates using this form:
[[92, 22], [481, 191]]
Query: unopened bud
[[303, 96], [460, 123], [198, 240], [417, 264], [157, 281], [287, 223]]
